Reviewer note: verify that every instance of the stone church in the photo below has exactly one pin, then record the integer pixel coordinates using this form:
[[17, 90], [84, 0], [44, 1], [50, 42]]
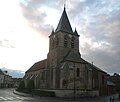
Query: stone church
[[65, 70]]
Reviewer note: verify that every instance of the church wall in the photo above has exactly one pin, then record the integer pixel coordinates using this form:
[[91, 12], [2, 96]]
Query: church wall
[[90, 80], [69, 77], [37, 76], [100, 81], [103, 83]]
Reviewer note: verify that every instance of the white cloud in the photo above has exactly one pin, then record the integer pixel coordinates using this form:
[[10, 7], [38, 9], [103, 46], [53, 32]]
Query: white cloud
[[18, 41]]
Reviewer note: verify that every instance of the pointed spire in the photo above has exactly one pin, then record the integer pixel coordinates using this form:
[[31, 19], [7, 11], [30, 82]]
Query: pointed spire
[[52, 30], [76, 33], [52, 33], [64, 24]]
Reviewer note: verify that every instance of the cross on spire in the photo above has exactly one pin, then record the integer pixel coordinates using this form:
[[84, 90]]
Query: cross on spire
[[64, 6]]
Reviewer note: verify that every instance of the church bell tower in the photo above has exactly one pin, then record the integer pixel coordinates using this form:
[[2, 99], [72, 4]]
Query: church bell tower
[[61, 42]]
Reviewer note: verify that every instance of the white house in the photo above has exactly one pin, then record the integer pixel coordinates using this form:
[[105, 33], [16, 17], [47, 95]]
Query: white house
[[5, 79]]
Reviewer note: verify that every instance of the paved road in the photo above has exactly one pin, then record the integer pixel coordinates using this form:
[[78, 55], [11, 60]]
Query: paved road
[[7, 95]]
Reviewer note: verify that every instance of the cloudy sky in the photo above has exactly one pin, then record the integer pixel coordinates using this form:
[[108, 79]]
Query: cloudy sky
[[26, 24]]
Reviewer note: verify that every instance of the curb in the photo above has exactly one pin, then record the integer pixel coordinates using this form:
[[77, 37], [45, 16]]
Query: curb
[[21, 94]]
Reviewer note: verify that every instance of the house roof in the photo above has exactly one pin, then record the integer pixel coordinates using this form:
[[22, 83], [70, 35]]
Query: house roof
[[37, 66], [110, 83], [64, 24], [6, 73], [114, 79], [1, 72]]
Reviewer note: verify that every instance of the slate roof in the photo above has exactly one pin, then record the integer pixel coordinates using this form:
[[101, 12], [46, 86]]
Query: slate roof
[[110, 83], [64, 24], [75, 57], [95, 67], [114, 79], [76, 33], [1, 72], [37, 66]]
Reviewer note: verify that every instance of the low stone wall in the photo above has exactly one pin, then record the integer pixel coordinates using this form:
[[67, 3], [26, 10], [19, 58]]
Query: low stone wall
[[79, 93], [45, 93], [63, 93], [70, 93]]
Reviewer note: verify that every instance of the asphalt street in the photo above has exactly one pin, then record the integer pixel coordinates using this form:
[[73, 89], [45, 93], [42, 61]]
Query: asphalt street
[[9, 96]]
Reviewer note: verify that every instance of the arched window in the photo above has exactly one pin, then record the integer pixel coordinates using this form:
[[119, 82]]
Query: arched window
[[65, 41], [57, 41], [72, 42], [53, 44], [103, 80], [78, 72]]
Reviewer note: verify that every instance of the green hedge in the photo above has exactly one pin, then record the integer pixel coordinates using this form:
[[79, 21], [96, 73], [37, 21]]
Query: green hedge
[[21, 86], [30, 85]]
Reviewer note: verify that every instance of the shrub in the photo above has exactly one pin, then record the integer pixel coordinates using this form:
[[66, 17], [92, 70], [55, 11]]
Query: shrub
[[30, 85], [21, 85]]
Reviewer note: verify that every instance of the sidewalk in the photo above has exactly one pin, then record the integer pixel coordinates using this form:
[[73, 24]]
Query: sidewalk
[[116, 96], [96, 99]]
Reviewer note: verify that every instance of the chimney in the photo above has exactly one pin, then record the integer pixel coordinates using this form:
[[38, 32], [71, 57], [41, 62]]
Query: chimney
[[6, 71]]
